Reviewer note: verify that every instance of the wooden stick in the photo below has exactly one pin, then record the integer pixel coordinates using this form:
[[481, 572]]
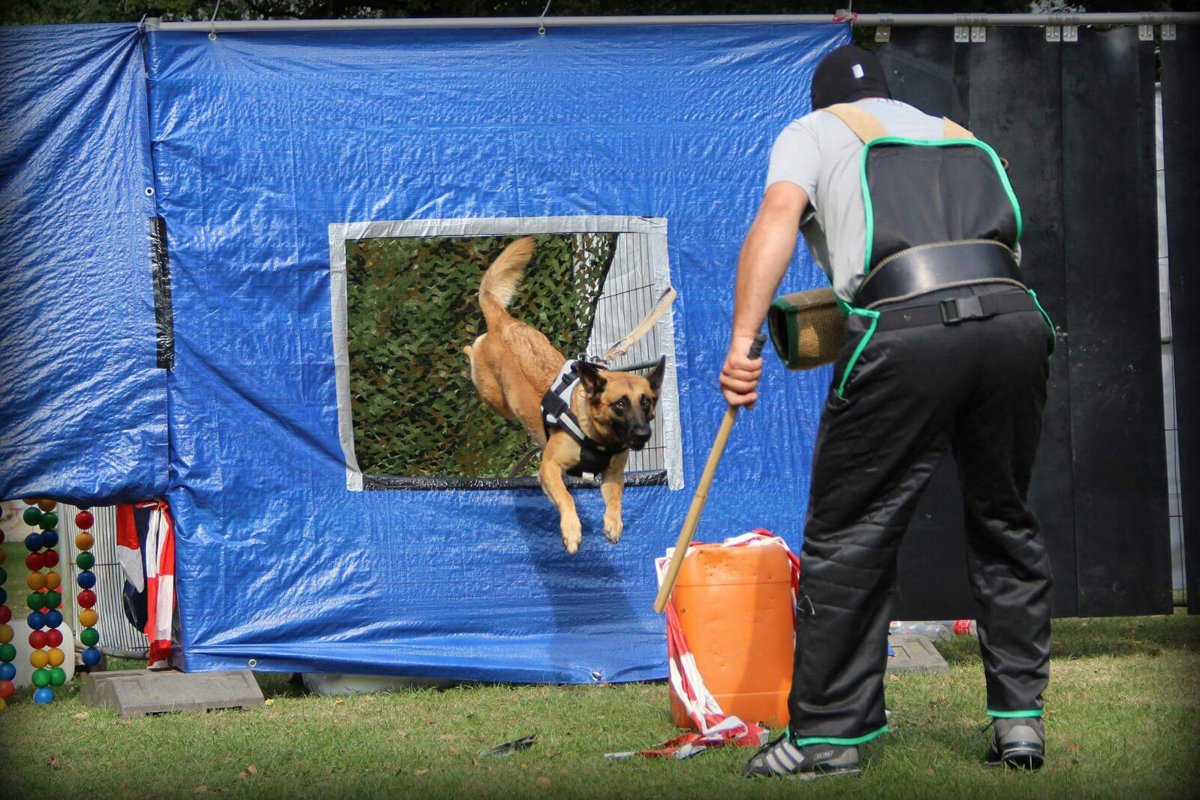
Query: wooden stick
[[698, 500]]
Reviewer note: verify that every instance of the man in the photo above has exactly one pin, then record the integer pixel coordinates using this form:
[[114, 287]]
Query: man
[[945, 352]]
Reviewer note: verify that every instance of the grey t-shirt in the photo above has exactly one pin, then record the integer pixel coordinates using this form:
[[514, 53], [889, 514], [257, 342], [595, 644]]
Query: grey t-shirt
[[821, 155]]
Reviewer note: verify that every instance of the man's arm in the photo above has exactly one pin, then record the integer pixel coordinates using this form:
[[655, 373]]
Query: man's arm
[[764, 259]]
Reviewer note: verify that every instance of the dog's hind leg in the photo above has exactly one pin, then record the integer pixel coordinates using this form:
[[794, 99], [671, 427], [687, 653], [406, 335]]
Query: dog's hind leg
[[612, 487], [484, 378], [551, 478]]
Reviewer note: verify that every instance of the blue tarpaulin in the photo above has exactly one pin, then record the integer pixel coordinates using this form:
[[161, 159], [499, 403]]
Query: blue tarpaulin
[[255, 144]]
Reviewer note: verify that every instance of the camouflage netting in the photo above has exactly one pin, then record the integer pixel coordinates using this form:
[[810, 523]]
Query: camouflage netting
[[413, 306]]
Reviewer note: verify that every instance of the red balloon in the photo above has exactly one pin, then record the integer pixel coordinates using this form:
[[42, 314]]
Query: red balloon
[[50, 557], [35, 561], [37, 639], [87, 598], [84, 520], [5, 615], [6, 689], [53, 637]]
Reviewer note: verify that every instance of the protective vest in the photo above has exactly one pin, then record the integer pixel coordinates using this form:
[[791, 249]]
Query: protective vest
[[556, 413], [918, 195], [919, 192]]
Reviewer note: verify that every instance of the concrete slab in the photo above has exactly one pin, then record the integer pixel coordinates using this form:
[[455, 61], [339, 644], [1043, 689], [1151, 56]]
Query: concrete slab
[[132, 693], [915, 654]]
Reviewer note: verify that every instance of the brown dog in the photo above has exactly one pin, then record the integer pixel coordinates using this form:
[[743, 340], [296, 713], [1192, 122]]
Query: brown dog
[[513, 367]]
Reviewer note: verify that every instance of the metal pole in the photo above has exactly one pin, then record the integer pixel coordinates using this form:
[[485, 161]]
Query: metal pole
[[862, 20]]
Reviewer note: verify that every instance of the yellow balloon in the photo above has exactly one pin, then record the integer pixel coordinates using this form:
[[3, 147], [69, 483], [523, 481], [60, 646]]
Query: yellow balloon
[[84, 541], [53, 580], [2, 704], [3, 555], [88, 618], [39, 659], [56, 657], [5, 634], [46, 504], [35, 581]]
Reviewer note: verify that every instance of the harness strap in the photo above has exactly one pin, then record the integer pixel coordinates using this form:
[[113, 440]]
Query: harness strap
[[952, 130], [557, 413], [862, 122], [866, 127]]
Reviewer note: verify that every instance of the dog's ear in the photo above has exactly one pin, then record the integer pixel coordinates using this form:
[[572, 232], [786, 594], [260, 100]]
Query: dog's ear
[[656, 375], [589, 375]]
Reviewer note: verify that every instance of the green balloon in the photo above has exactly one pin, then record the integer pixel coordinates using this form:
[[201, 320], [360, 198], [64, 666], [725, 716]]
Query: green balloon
[[57, 676], [41, 678], [32, 515], [7, 652], [3, 576], [48, 521], [89, 636], [53, 599], [85, 560], [36, 601]]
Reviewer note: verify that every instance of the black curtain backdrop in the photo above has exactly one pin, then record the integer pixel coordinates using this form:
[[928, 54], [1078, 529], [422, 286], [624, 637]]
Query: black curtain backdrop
[[1181, 144], [1076, 122]]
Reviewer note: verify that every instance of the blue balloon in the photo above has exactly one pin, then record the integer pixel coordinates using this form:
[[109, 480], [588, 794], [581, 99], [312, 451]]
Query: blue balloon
[[86, 579], [53, 618], [49, 538], [43, 695], [7, 672], [33, 542], [3, 596], [36, 620], [91, 656]]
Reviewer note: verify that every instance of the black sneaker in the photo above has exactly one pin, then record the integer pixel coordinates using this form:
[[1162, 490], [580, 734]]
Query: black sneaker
[[780, 758], [1018, 743]]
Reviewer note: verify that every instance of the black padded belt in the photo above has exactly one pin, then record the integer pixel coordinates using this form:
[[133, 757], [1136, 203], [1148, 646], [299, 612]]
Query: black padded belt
[[955, 310], [938, 266]]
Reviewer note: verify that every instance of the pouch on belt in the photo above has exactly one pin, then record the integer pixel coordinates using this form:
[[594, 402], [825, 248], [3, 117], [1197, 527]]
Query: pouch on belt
[[806, 328]]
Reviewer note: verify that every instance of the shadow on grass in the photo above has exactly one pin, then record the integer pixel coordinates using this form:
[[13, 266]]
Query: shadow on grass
[[1101, 636]]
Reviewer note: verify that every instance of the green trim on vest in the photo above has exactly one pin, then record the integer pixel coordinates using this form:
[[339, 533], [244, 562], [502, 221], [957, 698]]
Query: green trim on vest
[[1049, 322], [862, 344], [869, 245]]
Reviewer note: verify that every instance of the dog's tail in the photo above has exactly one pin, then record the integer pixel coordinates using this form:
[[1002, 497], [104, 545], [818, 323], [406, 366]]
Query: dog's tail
[[502, 278]]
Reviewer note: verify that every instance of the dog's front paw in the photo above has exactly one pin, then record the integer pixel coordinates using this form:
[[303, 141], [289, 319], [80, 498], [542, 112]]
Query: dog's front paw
[[572, 535], [612, 528]]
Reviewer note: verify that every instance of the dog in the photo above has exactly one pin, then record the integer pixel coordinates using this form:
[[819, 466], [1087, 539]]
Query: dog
[[514, 367]]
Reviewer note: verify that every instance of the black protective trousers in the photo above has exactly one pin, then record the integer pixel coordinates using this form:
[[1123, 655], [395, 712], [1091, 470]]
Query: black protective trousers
[[974, 390]]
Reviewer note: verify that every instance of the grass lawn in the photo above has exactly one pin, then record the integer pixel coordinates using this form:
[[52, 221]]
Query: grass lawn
[[1123, 719]]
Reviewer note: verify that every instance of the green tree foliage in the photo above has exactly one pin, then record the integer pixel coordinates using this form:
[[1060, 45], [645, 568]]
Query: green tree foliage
[[413, 306]]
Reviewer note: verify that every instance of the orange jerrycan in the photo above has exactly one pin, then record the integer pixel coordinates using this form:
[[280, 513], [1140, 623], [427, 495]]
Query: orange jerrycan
[[735, 610]]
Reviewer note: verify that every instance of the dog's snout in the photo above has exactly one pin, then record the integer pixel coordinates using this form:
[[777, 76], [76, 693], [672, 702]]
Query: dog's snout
[[640, 436]]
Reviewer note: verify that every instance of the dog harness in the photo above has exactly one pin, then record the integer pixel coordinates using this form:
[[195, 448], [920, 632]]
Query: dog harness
[[594, 458]]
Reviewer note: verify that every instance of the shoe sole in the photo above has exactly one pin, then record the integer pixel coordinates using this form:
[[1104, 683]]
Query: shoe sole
[[1028, 760], [844, 772]]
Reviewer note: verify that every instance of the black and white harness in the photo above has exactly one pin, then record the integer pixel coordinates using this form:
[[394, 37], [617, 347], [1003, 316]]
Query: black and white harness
[[556, 413]]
